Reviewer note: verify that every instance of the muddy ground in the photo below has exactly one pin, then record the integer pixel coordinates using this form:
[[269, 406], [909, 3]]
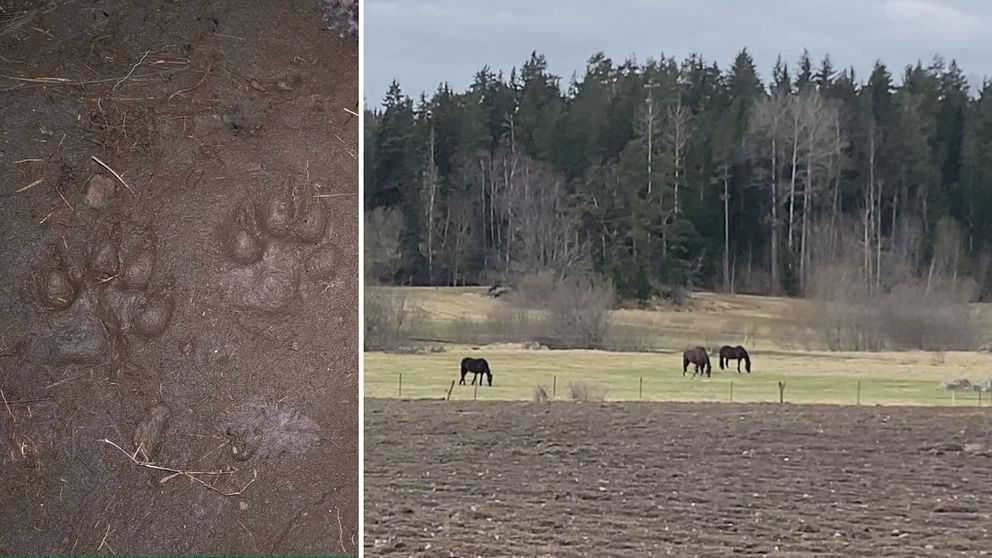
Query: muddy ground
[[648, 479], [198, 312]]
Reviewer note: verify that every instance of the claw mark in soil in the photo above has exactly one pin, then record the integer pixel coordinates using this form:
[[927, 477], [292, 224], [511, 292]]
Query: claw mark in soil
[[148, 434], [55, 287], [266, 430], [276, 239]]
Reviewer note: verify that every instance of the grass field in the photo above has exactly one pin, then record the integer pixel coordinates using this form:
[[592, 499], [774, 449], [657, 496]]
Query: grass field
[[770, 327], [885, 378]]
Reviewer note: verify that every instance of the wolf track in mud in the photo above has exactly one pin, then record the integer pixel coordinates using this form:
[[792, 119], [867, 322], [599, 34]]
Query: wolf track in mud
[[199, 308], [105, 292], [277, 240]]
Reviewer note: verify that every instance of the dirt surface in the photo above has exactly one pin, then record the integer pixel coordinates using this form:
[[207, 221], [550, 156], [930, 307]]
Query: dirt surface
[[632, 479], [200, 310]]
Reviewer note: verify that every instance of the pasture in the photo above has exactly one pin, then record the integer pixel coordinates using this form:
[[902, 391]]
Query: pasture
[[832, 378], [452, 320]]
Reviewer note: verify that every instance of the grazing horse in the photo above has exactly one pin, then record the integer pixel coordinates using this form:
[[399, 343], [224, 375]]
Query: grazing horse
[[699, 358], [476, 366], [738, 353]]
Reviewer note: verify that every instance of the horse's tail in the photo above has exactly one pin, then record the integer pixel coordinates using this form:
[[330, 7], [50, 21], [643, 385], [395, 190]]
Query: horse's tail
[[464, 367], [685, 362], [747, 360], [709, 367], [721, 359]]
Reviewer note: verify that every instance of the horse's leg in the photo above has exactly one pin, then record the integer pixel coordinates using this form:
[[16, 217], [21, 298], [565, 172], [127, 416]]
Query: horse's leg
[[462, 381], [738, 366]]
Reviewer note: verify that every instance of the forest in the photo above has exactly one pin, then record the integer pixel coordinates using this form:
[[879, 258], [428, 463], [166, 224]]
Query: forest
[[667, 176]]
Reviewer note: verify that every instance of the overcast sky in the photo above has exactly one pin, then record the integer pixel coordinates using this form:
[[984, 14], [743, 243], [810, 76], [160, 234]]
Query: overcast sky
[[421, 43]]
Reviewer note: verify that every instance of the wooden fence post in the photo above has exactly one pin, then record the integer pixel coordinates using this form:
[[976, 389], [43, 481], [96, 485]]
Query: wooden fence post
[[401, 386], [731, 391], [859, 392], [781, 392], [554, 386], [475, 393], [640, 389], [448, 398]]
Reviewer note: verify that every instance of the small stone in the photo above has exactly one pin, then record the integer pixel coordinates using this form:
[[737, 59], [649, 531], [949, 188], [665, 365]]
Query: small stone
[[99, 190], [256, 86], [243, 506], [283, 86]]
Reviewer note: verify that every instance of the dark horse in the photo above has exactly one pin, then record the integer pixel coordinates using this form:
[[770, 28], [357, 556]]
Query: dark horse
[[738, 353], [476, 366], [699, 357]]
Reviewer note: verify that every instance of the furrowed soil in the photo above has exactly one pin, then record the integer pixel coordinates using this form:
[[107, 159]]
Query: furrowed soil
[[202, 317], [647, 479]]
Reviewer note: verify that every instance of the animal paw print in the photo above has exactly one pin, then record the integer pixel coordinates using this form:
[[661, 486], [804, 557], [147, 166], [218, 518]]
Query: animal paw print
[[277, 241], [104, 293]]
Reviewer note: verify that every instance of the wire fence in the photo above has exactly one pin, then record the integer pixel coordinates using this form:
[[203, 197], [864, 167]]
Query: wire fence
[[855, 392]]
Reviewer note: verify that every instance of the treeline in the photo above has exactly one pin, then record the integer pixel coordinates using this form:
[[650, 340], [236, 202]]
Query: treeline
[[670, 174]]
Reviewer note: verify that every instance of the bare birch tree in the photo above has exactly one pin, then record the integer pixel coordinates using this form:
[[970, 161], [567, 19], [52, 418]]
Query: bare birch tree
[[677, 135]]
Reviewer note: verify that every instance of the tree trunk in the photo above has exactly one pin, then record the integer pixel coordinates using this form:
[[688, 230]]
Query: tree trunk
[[792, 179], [678, 163], [726, 229], [878, 238], [869, 208], [431, 200], [835, 165], [805, 226], [650, 134], [774, 225]]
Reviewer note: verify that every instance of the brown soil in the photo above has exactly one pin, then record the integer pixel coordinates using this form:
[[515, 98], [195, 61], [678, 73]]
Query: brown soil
[[647, 479], [203, 317]]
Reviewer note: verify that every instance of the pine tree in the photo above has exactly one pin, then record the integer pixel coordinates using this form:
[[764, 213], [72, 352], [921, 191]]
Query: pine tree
[[397, 180]]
